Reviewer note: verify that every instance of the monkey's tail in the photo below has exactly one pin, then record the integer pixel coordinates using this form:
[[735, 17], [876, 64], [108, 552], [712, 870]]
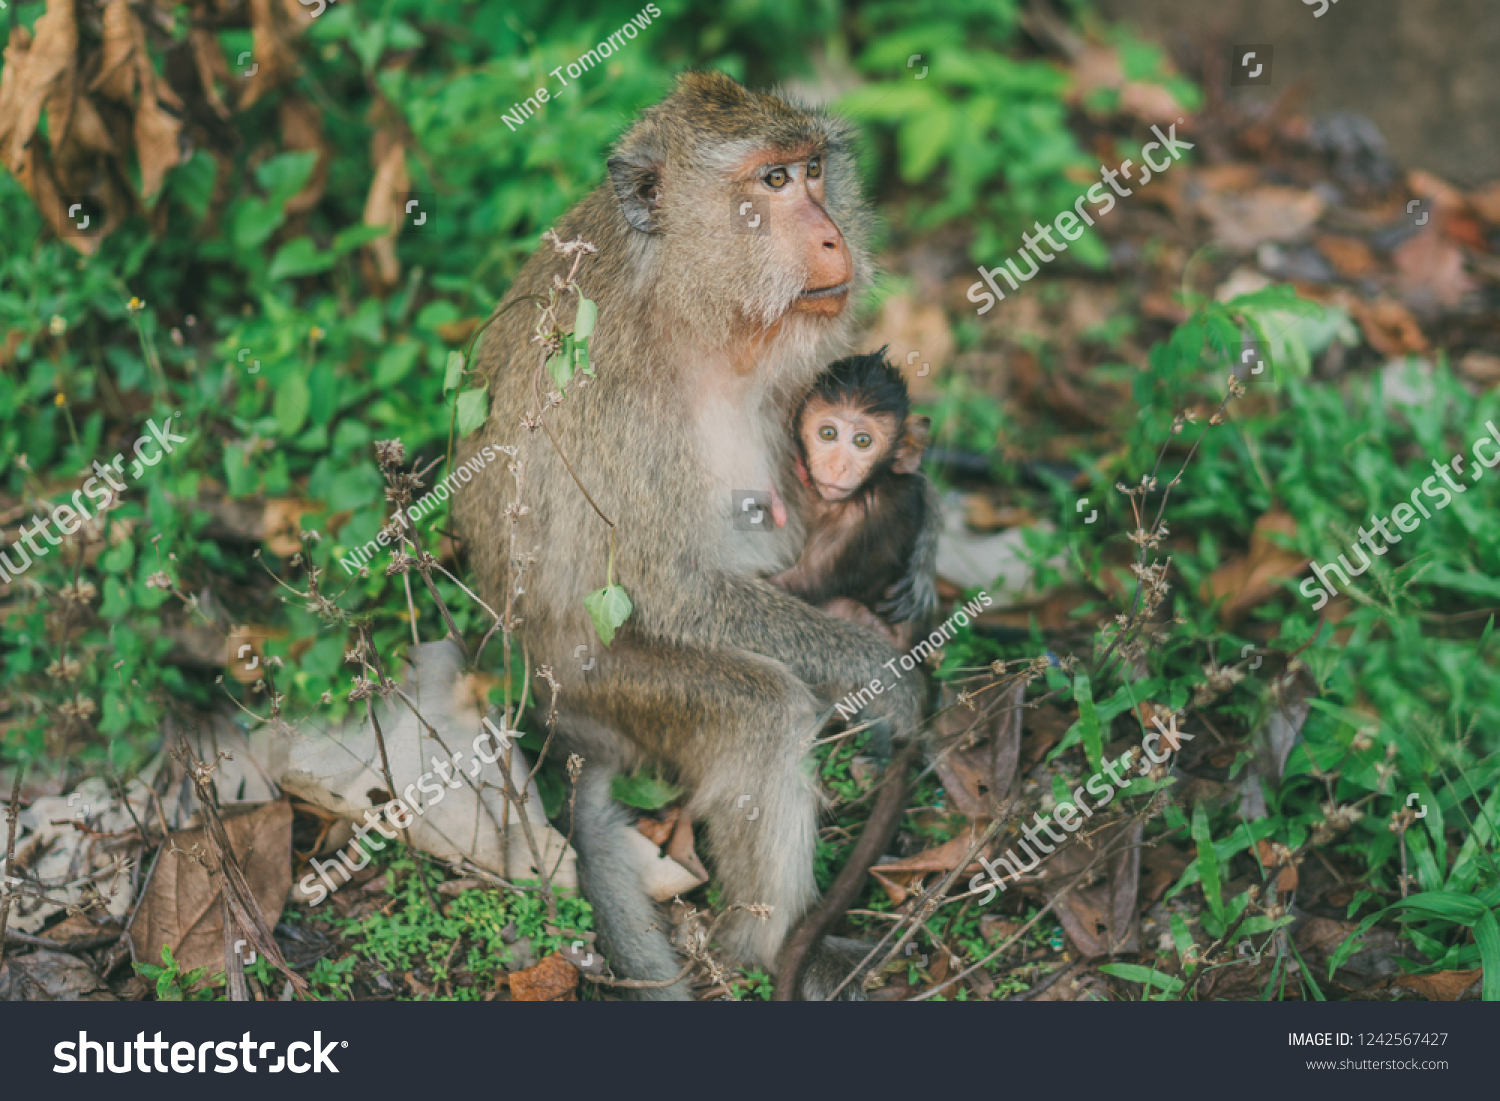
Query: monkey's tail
[[796, 954], [629, 923]]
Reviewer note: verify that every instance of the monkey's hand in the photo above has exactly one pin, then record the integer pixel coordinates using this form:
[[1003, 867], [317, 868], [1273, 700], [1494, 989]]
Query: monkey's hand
[[910, 600]]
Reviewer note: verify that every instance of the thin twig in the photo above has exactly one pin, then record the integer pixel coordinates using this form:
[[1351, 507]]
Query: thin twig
[[12, 813]]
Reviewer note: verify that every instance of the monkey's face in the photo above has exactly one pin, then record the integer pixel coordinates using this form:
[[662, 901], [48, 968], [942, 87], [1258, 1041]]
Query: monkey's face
[[844, 446], [793, 189], [751, 217]]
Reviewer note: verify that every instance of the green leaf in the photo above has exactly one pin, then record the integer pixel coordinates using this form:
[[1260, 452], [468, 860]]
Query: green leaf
[[286, 174], [300, 257], [609, 607], [347, 240], [583, 324], [453, 372], [923, 138], [473, 408], [1487, 936], [1134, 972], [118, 559], [253, 222], [293, 398], [396, 363], [1088, 721], [1181, 938], [560, 367], [1208, 862], [643, 792]]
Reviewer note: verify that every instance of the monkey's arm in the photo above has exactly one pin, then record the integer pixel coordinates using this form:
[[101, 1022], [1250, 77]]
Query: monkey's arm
[[914, 598], [833, 657]]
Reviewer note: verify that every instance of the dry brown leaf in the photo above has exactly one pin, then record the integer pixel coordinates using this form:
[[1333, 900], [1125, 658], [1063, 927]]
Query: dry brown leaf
[[1149, 102], [981, 514], [1349, 256], [36, 176], [281, 522], [49, 62], [1266, 852], [680, 849], [156, 144], [302, 131], [1099, 913], [180, 905], [244, 654], [980, 770], [897, 876], [1444, 196], [552, 980], [1096, 68], [1265, 214], [1250, 580], [383, 208], [458, 332], [1218, 178], [658, 830], [76, 927], [17, 52], [1161, 866], [1480, 367], [1444, 986], [1388, 326], [208, 59], [51, 977], [272, 29], [124, 56], [1486, 203], [1430, 272]]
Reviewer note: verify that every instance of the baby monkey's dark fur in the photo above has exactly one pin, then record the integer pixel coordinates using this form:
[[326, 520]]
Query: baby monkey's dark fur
[[877, 546]]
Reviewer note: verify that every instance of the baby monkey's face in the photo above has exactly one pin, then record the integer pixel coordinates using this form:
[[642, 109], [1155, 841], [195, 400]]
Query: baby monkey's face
[[844, 445]]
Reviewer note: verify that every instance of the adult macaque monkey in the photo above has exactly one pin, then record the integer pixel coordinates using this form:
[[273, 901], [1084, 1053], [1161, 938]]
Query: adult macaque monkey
[[731, 238]]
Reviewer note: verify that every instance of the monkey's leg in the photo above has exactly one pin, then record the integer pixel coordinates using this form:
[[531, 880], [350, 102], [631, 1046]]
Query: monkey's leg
[[741, 746], [632, 930]]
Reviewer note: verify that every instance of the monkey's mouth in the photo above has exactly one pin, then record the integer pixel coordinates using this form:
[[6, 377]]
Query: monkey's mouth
[[830, 492], [835, 291]]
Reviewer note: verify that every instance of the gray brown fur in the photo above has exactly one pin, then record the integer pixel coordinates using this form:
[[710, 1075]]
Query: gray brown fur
[[718, 676]]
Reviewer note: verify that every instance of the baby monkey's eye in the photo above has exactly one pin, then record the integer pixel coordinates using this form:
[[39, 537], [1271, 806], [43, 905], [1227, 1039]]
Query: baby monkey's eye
[[777, 178], [862, 440], [814, 167], [828, 432]]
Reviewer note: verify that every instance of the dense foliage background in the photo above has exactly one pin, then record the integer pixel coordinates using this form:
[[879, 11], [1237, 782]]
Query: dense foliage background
[[248, 285]]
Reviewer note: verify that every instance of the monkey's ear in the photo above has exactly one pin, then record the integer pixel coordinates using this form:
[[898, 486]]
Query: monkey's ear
[[913, 442], [637, 185]]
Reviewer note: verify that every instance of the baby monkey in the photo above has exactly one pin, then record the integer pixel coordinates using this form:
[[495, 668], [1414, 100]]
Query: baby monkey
[[873, 516]]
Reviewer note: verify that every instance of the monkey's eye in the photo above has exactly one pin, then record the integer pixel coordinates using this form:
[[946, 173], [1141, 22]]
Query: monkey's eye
[[777, 178], [814, 168], [863, 440], [828, 432]]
